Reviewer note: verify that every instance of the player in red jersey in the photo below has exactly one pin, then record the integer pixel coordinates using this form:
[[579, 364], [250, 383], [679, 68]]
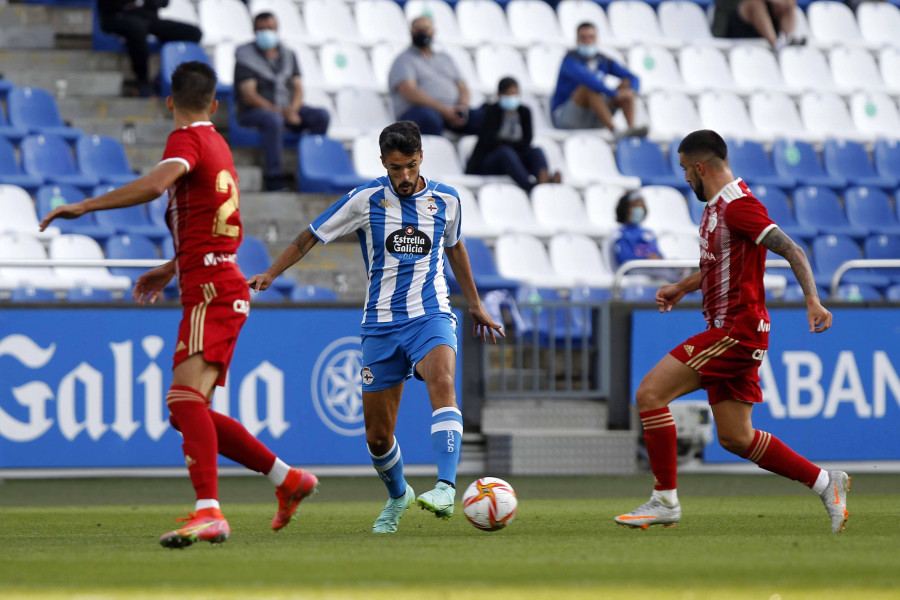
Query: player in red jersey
[[735, 234], [198, 171]]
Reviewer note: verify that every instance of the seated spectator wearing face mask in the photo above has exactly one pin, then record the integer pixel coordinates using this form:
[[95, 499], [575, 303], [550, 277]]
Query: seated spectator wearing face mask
[[269, 94], [634, 241], [504, 143], [582, 100]]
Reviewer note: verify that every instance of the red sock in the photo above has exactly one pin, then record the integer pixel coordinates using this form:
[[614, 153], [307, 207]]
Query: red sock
[[236, 443], [773, 455], [660, 438], [188, 407]]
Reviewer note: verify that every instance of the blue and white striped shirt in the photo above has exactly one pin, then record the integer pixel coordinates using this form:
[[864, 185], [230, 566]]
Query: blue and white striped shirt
[[402, 242]]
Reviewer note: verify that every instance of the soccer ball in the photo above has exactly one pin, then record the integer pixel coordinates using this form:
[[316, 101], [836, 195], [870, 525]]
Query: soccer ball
[[490, 503]]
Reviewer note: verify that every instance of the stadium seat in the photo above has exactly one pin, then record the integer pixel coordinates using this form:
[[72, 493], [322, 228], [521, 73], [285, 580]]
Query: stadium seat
[[267, 296], [483, 21], [884, 247], [332, 21], [473, 223], [89, 294], [10, 171], [5, 86], [800, 160], [854, 292], [889, 63], [590, 159], [705, 68], [636, 22], [854, 69], [484, 270], [642, 158], [383, 55], [223, 63], [156, 210], [656, 68], [639, 293], [253, 257], [679, 246], [544, 326], [851, 161], [35, 110], [446, 26], [535, 23], [750, 162], [313, 293], [686, 21], [466, 67], [362, 110], [173, 54], [600, 201], [523, 258], [324, 166], [755, 68], [833, 23], [444, 164], [826, 114], [875, 115], [495, 62], [892, 294], [725, 113], [131, 220], [48, 156], [821, 208], [346, 65], [184, 11], [308, 62], [10, 132], [776, 203], [543, 62], [672, 115], [104, 158], [19, 213], [380, 21], [556, 162], [887, 158], [506, 207], [224, 21], [25, 246], [578, 258], [50, 196], [774, 115], [31, 294], [366, 156], [804, 69], [878, 22], [559, 206], [871, 208], [75, 246], [667, 210], [130, 247], [290, 22], [572, 13], [830, 251], [794, 293]]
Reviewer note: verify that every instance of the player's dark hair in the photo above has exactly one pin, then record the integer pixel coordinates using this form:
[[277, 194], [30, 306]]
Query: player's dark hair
[[624, 205], [263, 16], [704, 142], [193, 86], [584, 24], [505, 84], [402, 137]]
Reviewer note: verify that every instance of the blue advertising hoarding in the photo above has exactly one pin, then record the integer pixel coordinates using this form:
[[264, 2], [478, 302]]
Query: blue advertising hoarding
[[831, 396], [86, 388]]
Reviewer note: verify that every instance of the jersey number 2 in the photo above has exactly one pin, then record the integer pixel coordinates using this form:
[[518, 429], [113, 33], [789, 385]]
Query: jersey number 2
[[225, 183]]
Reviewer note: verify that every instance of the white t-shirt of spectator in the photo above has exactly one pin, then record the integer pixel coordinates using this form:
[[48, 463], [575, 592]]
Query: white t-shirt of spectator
[[436, 75]]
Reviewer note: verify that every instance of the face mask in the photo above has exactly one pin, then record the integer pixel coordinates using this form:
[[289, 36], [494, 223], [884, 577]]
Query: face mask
[[588, 51], [421, 39], [510, 102], [266, 39], [637, 214]]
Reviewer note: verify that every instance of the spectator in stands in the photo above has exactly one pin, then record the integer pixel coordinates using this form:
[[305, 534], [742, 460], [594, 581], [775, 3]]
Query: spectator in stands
[[636, 242], [426, 87], [773, 20], [269, 93], [504, 143], [582, 99], [134, 20]]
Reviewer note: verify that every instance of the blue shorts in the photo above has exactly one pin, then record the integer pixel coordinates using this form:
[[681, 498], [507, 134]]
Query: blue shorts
[[390, 351]]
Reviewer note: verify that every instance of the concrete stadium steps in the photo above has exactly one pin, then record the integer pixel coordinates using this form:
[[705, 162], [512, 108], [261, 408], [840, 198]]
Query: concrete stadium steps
[[512, 416], [63, 60], [140, 109], [68, 83], [27, 36], [67, 20]]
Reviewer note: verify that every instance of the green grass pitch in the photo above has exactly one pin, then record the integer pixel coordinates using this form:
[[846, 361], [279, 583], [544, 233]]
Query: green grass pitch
[[741, 537]]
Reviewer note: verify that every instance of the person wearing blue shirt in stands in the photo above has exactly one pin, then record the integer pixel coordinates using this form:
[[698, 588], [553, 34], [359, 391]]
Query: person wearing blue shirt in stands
[[582, 99], [634, 241]]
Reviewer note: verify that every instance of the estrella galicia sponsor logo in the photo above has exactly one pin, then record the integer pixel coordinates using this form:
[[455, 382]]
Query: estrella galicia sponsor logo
[[337, 386], [408, 243]]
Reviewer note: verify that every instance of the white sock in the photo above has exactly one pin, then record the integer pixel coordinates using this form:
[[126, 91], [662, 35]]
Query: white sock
[[278, 473], [822, 482], [669, 497], [208, 503]]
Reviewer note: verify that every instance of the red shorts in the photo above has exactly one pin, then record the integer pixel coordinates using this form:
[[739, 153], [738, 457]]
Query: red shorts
[[213, 315], [728, 368]]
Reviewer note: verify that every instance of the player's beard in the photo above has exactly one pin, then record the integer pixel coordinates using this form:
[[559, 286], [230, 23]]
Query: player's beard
[[698, 189], [407, 188]]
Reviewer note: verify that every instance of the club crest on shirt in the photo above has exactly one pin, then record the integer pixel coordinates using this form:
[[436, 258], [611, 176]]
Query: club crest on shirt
[[713, 221], [430, 207], [408, 244]]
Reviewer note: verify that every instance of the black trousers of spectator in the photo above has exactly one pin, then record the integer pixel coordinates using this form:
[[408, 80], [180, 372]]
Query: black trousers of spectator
[[135, 28]]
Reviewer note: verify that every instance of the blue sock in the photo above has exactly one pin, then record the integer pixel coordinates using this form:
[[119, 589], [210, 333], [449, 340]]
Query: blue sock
[[390, 469], [446, 440]]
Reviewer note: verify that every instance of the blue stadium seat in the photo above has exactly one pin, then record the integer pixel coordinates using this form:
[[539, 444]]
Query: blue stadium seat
[[253, 258], [48, 156], [130, 247], [853, 292], [156, 210], [820, 207], [35, 110], [887, 158], [893, 293], [639, 293], [581, 318], [881, 247], [131, 220], [849, 160], [794, 293], [484, 270], [776, 203], [173, 54], [537, 319], [5, 87], [104, 157], [50, 196], [238, 135], [267, 296], [750, 162], [642, 158], [799, 160], [313, 293], [325, 167], [88, 294], [11, 132], [30, 294], [830, 251], [676, 168], [10, 171], [871, 208]]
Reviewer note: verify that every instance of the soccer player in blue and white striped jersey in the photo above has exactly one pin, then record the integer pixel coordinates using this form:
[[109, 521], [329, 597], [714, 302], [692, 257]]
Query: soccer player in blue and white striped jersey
[[406, 225]]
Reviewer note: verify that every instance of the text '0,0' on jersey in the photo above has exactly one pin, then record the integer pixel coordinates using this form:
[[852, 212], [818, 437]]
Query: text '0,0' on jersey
[[402, 241], [203, 213]]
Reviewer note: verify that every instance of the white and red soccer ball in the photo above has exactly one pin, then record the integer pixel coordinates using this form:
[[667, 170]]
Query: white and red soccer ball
[[490, 503]]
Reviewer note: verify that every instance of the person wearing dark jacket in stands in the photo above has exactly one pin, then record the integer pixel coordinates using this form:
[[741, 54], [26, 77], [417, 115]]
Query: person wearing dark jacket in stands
[[134, 20], [504, 144]]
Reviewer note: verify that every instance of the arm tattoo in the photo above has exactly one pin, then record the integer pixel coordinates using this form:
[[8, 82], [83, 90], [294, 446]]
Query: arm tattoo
[[779, 243]]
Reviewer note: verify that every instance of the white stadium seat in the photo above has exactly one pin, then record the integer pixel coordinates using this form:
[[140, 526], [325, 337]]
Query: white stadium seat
[[656, 68], [590, 159], [464, 147], [346, 65], [24, 246], [495, 62], [223, 59], [331, 21], [879, 23], [383, 56], [524, 258], [290, 23], [180, 10], [889, 63], [380, 21], [775, 114], [572, 13], [559, 206], [441, 162], [667, 211], [854, 69], [366, 153], [224, 21], [875, 114], [543, 62], [483, 21], [636, 22], [687, 22], [310, 69], [705, 68], [463, 61], [363, 110], [535, 22], [755, 68], [19, 215], [804, 69], [826, 113], [578, 258], [506, 207], [725, 113], [556, 162], [672, 115], [74, 246], [473, 223], [446, 27], [833, 23], [600, 201], [337, 129], [679, 246]]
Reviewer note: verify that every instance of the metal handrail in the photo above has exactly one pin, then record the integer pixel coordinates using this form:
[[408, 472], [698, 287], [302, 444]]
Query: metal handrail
[[861, 263], [663, 263]]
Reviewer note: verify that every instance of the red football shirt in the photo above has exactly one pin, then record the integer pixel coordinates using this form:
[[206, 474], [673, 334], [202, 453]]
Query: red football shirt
[[732, 263], [203, 210]]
